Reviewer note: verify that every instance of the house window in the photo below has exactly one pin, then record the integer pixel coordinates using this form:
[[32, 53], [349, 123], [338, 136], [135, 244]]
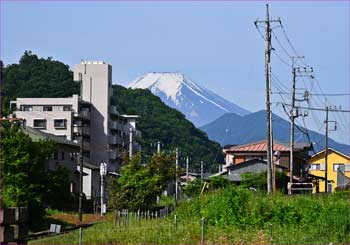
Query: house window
[[62, 155], [315, 167], [67, 108], [60, 123], [47, 108], [26, 108], [39, 123], [337, 165]]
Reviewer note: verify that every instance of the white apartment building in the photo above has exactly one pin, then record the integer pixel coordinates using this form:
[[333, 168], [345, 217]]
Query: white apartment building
[[90, 117]]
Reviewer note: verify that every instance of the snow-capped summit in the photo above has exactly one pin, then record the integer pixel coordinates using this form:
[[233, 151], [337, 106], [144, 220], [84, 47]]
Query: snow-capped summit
[[199, 105]]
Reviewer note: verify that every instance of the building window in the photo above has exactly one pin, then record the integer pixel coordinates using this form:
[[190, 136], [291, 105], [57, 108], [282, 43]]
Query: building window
[[315, 167], [26, 108], [39, 123], [60, 123], [67, 108], [62, 155], [47, 108], [337, 165]]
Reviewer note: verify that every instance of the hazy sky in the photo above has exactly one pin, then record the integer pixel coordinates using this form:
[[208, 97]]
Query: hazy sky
[[214, 43]]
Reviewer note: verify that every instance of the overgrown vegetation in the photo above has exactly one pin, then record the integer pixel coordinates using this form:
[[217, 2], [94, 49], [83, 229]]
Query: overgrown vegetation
[[139, 185], [233, 215], [26, 179], [313, 219]]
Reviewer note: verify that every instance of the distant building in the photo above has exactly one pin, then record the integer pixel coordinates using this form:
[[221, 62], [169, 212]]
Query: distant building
[[105, 133], [235, 155], [338, 169], [234, 172]]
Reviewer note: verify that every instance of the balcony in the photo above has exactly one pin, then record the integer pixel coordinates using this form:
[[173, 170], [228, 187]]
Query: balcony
[[114, 110], [85, 115], [113, 140], [113, 125], [77, 130]]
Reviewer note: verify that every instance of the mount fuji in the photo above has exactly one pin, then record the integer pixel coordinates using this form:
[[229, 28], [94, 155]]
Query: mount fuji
[[197, 103]]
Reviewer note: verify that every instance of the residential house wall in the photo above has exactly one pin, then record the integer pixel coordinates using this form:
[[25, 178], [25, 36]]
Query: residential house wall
[[317, 167]]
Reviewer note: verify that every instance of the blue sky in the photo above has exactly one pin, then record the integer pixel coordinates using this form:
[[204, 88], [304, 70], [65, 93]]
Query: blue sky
[[214, 43]]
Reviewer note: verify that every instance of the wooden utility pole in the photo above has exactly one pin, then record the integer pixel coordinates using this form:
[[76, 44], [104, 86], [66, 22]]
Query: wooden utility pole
[[269, 138], [1, 81], [176, 180], [158, 147], [292, 117], [326, 154], [130, 142], [187, 163]]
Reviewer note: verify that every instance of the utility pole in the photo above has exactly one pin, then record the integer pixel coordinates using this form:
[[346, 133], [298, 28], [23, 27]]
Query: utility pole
[[1, 184], [103, 173], [269, 139], [187, 162], [130, 142], [158, 147], [294, 113], [326, 154], [81, 185], [326, 148], [202, 170], [176, 180], [292, 117]]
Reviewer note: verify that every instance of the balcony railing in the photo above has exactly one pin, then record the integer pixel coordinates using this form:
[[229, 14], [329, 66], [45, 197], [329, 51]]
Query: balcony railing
[[77, 130], [113, 125], [83, 115]]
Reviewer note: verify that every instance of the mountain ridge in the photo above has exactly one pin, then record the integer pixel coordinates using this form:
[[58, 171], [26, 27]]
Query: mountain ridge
[[230, 129], [197, 103]]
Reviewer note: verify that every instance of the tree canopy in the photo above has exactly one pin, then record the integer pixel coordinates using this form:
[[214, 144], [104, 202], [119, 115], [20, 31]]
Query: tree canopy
[[26, 178]]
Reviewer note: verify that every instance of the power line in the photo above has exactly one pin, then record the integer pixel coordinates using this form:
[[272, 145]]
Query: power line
[[313, 94], [317, 109]]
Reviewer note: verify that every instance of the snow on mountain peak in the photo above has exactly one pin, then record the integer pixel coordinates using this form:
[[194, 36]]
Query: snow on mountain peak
[[199, 104], [169, 83]]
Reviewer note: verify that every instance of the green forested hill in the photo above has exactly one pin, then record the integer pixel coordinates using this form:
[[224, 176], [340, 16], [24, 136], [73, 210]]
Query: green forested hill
[[160, 122], [39, 77]]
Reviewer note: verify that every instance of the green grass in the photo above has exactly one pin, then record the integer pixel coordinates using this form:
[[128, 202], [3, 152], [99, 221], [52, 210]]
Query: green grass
[[233, 216]]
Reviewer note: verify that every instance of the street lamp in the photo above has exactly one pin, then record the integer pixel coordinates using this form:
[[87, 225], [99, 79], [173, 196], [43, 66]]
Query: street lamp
[[103, 172]]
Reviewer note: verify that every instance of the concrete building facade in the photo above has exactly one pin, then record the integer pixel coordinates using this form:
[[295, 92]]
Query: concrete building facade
[[105, 133]]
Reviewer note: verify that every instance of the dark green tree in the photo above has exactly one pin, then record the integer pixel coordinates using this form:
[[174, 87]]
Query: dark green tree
[[139, 185], [26, 178], [37, 77]]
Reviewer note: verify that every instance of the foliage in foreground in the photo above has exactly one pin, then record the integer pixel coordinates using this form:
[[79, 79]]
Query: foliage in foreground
[[312, 218], [139, 185], [27, 181]]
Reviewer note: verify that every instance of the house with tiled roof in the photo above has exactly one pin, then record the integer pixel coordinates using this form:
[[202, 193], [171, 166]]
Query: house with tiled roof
[[240, 154]]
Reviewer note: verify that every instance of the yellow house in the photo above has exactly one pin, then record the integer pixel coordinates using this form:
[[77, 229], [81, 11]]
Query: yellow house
[[336, 160]]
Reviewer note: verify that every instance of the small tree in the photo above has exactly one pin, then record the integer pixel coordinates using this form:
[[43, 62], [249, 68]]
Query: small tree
[[27, 181], [139, 185]]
